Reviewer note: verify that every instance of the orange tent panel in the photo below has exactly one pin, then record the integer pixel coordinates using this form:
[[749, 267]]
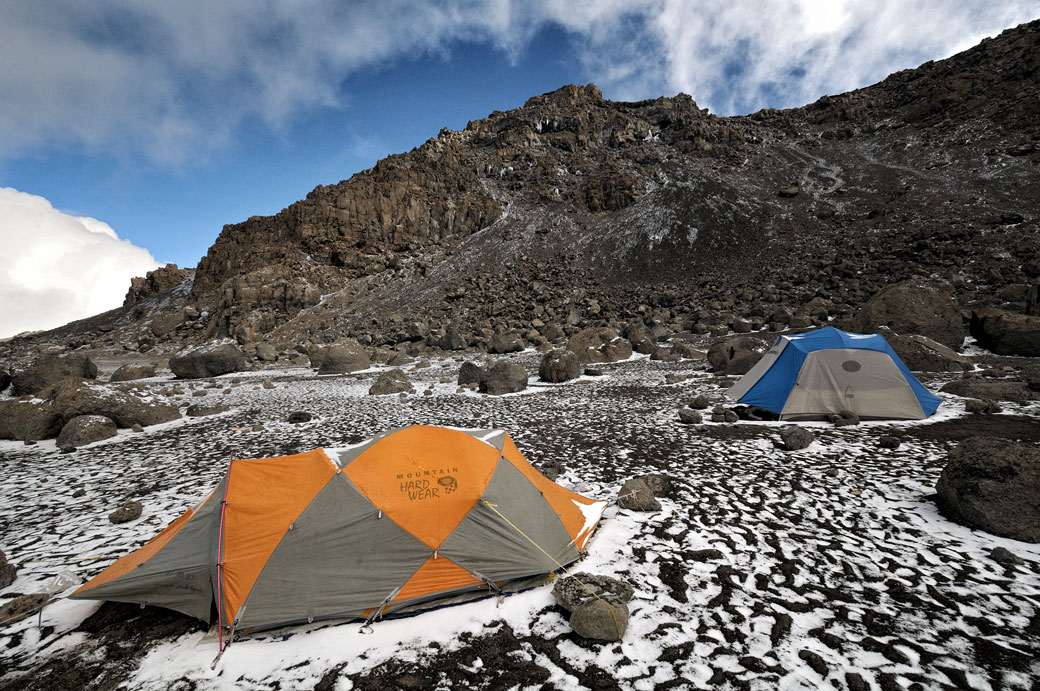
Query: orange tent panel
[[436, 575], [425, 479], [264, 496]]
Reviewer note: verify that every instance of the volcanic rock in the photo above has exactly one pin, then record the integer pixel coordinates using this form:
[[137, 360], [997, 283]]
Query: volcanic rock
[[690, 417], [559, 366], [29, 419], [737, 354], [390, 382], [471, 373], [1006, 333], [343, 358], [72, 398], [131, 372], [989, 390], [504, 377], [505, 343], [573, 591], [599, 345], [922, 354], [49, 369], [127, 512], [200, 410], [7, 571], [209, 360], [993, 485], [796, 438], [85, 429], [918, 306], [638, 494]]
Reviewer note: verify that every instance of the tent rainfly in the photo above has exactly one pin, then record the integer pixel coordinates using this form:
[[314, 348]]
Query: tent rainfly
[[402, 519], [823, 372]]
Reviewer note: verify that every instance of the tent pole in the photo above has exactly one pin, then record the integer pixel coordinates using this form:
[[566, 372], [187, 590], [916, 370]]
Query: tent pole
[[220, 562]]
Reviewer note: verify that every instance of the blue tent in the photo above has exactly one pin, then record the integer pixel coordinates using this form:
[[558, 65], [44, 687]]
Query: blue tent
[[825, 371]]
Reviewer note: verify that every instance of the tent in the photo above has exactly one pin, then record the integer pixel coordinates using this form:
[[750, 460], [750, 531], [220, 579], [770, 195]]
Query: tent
[[398, 520], [823, 372]]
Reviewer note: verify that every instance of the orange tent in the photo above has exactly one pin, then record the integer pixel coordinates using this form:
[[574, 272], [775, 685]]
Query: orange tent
[[398, 520]]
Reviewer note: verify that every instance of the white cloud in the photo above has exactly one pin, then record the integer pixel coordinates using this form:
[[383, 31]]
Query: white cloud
[[58, 268], [171, 81]]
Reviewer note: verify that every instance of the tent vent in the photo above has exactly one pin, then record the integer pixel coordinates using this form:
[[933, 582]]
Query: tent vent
[[851, 366]]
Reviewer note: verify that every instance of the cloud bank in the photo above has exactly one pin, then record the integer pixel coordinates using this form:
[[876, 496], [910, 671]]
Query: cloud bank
[[170, 81], [58, 268]]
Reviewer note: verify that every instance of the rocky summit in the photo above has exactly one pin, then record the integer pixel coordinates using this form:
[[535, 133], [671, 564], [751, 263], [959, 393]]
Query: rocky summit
[[577, 211]]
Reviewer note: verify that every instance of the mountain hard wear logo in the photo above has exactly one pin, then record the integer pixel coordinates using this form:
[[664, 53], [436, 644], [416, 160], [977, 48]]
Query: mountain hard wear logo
[[428, 484]]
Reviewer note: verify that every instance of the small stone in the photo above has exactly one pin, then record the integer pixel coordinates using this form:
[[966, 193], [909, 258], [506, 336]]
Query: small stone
[[700, 403], [136, 428], [795, 438], [268, 384], [889, 442], [126, 513], [1002, 555], [298, 416], [690, 417]]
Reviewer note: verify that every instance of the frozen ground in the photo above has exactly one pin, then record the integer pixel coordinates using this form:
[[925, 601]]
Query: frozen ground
[[823, 568]]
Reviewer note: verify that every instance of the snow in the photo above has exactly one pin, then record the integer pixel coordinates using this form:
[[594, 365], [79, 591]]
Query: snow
[[840, 541]]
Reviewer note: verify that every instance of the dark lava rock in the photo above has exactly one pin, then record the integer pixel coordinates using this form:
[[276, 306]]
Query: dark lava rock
[[200, 410], [5, 380], [85, 429], [796, 438], [210, 360], [471, 373], [391, 382], [917, 306], [7, 571], [593, 372], [504, 377], [600, 620], [922, 354], [73, 397], [599, 345], [126, 513], [505, 343], [1006, 333], [558, 366], [51, 369], [573, 591], [22, 607], [889, 442], [980, 407], [452, 339], [343, 358], [638, 494], [993, 485], [690, 417], [737, 354], [132, 372], [27, 420], [844, 418], [298, 416], [1001, 390], [1002, 555]]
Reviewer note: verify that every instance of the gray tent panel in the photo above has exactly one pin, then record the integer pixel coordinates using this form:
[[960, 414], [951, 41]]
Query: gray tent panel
[[178, 576], [866, 382], [486, 544], [354, 560]]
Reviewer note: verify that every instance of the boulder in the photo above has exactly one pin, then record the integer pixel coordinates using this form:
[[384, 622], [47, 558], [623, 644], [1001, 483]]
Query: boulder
[[344, 357], [209, 360], [574, 591], [7, 571], [1002, 555], [737, 354], [201, 410], [559, 365], [127, 512], [471, 373], [72, 398], [50, 369], [599, 344], [452, 339], [889, 442], [504, 377], [85, 429], [132, 372], [922, 354], [391, 382], [993, 485], [299, 416], [167, 323], [690, 417], [505, 343], [795, 438], [917, 306], [701, 402], [5, 379], [266, 352], [980, 407], [28, 419], [638, 494], [22, 607], [600, 620], [1006, 333], [989, 390]]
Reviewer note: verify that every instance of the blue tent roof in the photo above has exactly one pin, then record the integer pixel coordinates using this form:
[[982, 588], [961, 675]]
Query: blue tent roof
[[774, 386]]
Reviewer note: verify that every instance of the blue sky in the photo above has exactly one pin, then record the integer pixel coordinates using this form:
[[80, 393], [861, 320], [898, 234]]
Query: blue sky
[[166, 121]]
